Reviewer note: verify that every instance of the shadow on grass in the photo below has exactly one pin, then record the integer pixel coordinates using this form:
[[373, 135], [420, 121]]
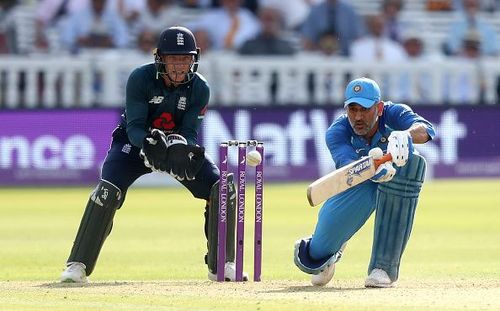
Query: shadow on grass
[[313, 289], [79, 285]]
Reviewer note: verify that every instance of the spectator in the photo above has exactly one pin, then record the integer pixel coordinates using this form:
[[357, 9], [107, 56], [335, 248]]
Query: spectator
[[203, 40], [393, 25], [463, 88], [157, 15], [377, 46], [146, 42], [8, 38], [414, 46], [269, 41], [228, 26], [328, 44], [95, 26], [51, 15], [468, 20], [129, 10], [335, 16], [294, 12], [251, 5]]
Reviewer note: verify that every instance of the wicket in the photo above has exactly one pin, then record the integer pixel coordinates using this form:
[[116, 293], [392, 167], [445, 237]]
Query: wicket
[[240, 208]]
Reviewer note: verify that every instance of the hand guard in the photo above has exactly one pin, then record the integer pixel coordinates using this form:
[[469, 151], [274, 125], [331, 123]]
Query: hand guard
[[400, 147], [385, 172], [154, 150], [183, 161]]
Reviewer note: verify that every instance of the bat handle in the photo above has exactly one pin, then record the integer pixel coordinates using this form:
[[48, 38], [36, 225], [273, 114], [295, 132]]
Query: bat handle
[[385, 158]]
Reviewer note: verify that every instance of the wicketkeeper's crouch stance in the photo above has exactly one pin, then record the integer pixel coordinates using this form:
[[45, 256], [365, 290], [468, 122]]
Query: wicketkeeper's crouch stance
[[165, 104], [369, 123]]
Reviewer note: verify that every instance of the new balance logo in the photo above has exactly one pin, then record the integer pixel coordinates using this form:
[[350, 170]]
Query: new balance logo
[[156, 100]]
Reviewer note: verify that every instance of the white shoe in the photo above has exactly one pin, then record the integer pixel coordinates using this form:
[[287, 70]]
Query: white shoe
[[229, 273], [378, 278], [74, 273], [323, 277]]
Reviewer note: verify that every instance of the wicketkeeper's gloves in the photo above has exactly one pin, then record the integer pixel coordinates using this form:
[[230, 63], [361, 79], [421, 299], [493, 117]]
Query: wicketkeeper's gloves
[[154, 150], [183, 161]]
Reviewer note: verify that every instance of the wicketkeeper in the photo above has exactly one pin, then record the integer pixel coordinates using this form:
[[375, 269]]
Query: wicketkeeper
[[369, 123], [165, 104]]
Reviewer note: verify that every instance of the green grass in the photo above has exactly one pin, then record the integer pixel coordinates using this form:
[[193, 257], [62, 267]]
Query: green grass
[[154, 257]]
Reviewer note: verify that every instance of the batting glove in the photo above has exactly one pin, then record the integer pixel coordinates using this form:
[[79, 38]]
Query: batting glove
[[400, 147], [384, 173]]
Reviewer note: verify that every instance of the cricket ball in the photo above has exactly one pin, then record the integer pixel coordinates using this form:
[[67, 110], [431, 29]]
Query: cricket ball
[[254, 158]]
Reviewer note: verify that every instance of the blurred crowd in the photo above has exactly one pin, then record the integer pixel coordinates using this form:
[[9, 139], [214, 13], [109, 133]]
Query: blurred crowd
[[253, 27]]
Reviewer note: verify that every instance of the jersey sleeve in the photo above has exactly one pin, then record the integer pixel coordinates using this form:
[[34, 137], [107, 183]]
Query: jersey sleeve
[[401, 117], [194, 115], [338, 141], [136, 108]]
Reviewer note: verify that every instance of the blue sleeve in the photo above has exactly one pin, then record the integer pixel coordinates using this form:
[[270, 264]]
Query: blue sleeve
[[400, 117], [338, 141], [136, 108]]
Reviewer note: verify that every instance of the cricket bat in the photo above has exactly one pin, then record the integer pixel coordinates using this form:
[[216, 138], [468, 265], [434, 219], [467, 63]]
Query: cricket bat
[[344, 178]]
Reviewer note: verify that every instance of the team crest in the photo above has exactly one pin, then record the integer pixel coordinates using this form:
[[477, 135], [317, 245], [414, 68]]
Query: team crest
[[357, 88], [180, 38], [181, 105]]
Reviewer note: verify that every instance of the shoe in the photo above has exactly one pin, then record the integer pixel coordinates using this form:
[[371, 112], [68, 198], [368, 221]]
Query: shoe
[[229, 273], [324, 276], [74, 273], [378, 278]]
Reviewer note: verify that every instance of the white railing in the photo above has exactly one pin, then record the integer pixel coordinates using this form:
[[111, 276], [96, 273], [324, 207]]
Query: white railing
[[99, 80]]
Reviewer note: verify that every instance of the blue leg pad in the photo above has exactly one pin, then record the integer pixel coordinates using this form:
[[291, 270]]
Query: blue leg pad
[[395, 209], [309, 265]]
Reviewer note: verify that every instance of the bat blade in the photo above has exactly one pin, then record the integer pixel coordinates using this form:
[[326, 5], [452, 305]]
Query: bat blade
[[343, 178]]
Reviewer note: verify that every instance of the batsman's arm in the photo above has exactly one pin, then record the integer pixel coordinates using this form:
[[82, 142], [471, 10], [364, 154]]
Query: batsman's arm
[[419, 133], [338, 141]]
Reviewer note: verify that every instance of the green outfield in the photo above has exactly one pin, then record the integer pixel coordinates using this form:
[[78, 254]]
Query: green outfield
[[153, 259]]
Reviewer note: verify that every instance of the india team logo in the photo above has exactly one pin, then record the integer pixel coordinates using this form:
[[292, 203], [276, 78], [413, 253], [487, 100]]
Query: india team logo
[[357, 88]]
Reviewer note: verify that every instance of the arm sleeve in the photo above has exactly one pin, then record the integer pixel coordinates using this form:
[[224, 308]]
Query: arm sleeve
[[136, 108], [339, 143], [401, 117], [195, 114]]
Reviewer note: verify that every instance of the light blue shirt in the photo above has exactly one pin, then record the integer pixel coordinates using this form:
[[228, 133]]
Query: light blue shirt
[[80, 23], [459, 29], [346, 146], [348, 24]]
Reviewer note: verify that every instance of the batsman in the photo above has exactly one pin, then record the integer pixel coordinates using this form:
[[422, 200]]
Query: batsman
[[369, 126], [165, 103]]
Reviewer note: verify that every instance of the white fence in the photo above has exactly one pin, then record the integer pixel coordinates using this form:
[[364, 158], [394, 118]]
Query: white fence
[[99, 80]]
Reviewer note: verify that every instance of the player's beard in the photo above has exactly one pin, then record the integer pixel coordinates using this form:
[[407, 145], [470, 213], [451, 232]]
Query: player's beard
[[362, 127]]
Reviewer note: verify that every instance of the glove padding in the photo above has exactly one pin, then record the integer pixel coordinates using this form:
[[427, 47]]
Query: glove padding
[[400, 147], [385, 172], [184, 161], [154, 150]]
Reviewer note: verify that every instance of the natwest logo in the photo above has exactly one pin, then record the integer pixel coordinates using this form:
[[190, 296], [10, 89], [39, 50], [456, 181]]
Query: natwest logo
[[46, 152]]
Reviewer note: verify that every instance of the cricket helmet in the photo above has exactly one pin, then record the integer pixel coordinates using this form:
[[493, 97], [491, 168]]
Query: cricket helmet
[[176, 40]]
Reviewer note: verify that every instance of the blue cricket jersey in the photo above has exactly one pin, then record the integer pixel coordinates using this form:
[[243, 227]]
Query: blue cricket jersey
[[346, 146]]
